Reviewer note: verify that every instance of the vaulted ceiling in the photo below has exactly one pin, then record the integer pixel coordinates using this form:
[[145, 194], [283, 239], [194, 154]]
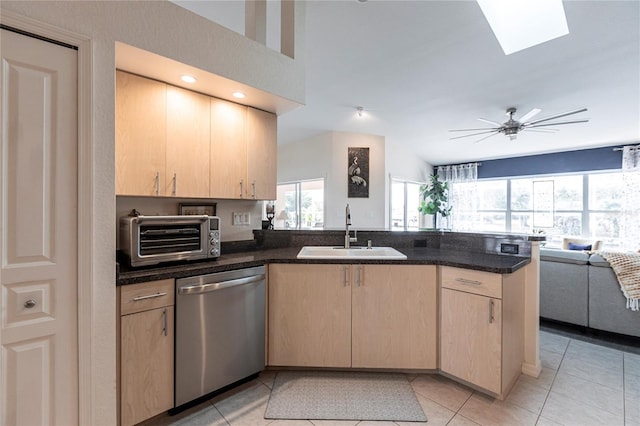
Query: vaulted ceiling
[[421, 68]]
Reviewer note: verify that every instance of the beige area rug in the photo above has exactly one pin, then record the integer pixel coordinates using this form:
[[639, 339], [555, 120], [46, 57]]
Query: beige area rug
[[332, 395]]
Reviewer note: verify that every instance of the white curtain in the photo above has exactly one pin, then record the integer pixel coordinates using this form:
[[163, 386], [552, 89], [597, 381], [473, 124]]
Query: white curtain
[[463, 196], [630, 220]]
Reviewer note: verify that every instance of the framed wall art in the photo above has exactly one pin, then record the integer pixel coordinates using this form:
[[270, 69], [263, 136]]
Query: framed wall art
[[358, 173], [198, 208]]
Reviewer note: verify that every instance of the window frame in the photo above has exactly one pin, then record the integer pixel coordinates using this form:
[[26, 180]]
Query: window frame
[[405, 215], [298, 202]]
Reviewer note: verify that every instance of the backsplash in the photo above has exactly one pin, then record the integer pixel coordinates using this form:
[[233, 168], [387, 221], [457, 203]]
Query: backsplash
[[169, 206], [469, 242]]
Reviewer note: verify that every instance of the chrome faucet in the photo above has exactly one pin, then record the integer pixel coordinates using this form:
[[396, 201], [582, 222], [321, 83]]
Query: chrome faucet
[[348, 239]]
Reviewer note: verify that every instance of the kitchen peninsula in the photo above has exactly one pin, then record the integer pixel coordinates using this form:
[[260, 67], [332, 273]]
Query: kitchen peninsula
[[463, 305]]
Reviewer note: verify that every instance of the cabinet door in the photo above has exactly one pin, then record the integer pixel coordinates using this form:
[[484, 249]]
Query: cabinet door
[[470, 338], [309, 315], [394, 316], [228, 150], [188, 132], [261, 154], [146, 374], [140, 135]]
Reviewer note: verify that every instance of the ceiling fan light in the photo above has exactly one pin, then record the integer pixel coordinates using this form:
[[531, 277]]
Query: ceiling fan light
[[520, 24]]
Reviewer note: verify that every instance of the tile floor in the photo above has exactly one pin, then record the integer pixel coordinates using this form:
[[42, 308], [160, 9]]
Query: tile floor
[[581, 384]]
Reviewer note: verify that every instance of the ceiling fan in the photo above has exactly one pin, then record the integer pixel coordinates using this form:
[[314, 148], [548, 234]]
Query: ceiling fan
[[512, 127]]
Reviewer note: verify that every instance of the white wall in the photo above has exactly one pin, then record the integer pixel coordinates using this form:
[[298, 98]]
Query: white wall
[[325, 156], [173, 32]]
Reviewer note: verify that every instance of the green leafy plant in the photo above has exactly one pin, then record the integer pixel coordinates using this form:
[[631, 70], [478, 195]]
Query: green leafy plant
[[433, 199]]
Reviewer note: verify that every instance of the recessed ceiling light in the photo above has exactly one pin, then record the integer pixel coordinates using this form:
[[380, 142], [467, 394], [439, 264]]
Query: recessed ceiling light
[[239, 95], [519, 24], [188, 78]]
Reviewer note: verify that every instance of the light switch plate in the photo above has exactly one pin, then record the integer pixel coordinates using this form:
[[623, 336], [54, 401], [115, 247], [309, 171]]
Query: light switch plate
[[241, 218]]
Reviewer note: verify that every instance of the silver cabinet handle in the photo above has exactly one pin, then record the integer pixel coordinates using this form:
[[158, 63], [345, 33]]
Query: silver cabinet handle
[[254, 189], [164, 322], [149, 296], [157, 183], [490, 311], [466, 281], [241, 188], [359, 275], [344, 269], [175, 185], [29, 303]]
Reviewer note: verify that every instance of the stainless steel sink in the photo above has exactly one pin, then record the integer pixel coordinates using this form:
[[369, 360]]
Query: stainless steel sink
[[329, 252]]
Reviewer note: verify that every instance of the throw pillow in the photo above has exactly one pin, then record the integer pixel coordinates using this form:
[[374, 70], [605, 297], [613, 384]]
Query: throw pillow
[[573, 246]]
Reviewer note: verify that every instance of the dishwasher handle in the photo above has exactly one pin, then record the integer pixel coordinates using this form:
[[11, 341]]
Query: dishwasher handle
[[206, 288]]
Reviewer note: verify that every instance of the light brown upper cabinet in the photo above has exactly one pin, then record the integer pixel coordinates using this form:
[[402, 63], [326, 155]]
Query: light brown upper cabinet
[[261, 154], [228, 149], [172, 142], [187, 144], [141, 137]]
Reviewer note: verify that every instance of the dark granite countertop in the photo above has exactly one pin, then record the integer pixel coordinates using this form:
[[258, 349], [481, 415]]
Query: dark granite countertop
[[501, 264]]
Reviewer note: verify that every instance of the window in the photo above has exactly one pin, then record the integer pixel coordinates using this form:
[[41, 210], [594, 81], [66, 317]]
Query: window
[[300, 205], [587, 205], [405, 200]]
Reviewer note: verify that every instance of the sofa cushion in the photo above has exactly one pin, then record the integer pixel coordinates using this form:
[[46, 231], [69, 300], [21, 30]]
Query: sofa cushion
[[564, 256], [596, 260]]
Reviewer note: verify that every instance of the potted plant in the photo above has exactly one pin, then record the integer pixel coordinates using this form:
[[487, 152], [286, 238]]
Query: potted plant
[[433, 199]]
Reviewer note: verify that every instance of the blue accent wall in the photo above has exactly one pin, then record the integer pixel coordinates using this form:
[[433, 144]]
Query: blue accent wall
[[559, 162]]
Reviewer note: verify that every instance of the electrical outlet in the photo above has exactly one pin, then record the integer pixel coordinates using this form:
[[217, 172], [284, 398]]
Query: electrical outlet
[[241, 218], [509, 248]]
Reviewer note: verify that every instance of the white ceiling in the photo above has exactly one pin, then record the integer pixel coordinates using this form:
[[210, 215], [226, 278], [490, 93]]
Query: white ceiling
[[420, 68]]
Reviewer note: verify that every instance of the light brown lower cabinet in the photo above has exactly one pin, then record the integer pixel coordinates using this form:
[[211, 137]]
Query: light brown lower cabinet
[[481, 328], [361, 316], [146, 350]]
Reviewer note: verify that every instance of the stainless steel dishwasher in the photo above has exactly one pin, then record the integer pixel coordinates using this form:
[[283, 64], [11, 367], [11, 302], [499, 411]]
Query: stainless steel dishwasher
[[219, 331]]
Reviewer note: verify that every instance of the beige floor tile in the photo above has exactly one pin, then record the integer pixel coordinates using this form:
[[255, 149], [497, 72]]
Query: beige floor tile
[[442, 390], [460, 420], [568, 412], [589, 393], [291, 423], [632, 411], [267, 377], [606, 358], [543, 421], [545, 380], [632, 386], [489, 411], [553, 343], [550, 360], [632, 363], [528, 395], [592, 372], [246, 407], [437, 415], [334, 422]]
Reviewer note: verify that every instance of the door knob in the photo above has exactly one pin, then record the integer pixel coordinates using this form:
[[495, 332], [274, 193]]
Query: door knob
[[29, 303]]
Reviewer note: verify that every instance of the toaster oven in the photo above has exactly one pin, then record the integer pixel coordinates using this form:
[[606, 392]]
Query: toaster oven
[[150, 240]]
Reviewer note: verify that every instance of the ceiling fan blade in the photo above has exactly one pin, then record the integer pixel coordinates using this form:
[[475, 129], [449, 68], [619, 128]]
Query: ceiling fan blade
[[564, 114], [559, 122], [490, 122], [473, 130], [486, 137], [475, 134], [540, 130], [530, 115]]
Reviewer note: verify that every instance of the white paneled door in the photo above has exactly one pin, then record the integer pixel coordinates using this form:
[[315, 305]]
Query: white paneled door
[[38, 236]]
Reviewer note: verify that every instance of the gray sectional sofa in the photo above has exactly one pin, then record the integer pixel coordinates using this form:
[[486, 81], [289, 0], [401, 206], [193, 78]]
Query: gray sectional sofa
[[581, 288]]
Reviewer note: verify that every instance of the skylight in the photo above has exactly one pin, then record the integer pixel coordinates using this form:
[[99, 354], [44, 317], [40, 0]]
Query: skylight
[[520, 24]]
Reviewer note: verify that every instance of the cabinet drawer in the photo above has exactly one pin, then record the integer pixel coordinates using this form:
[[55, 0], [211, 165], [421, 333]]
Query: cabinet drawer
[[476, 282], [141, 297]]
